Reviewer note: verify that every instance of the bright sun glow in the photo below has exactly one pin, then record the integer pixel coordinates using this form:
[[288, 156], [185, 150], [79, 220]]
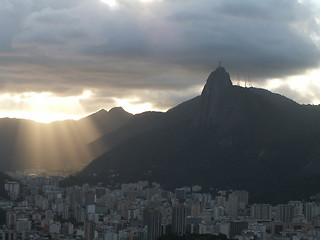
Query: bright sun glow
[[114, 3], [42, 117], [46, 107], [43, 107], [303, 83], [300, 84], [110, 3]]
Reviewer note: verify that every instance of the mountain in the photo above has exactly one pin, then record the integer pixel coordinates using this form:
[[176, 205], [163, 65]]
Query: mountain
[[61, 145], [138, 123], [228, 137]]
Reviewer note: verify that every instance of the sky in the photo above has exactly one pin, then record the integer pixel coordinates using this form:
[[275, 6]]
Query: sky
[[66, 59]]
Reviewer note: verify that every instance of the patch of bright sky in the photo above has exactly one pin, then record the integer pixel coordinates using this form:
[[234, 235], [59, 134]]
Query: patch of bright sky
[[40, 116], [298, 83], [303, 84], [134, 105], [44, 107], [114, 3], [111, 3]]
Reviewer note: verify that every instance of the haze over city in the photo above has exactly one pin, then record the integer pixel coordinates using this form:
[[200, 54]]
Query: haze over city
[[66, 59]]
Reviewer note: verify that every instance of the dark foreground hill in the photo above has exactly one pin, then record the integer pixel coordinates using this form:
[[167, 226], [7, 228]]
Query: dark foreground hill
[[61, 145], [229, 137]]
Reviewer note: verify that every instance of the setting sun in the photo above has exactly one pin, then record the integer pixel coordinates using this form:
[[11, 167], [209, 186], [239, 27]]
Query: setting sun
[[114, 3], [44, 107], [42, 117], [110, 3]]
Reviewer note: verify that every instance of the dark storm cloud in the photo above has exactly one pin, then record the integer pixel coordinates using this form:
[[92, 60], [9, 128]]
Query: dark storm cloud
[[260, 38], [152, 50]]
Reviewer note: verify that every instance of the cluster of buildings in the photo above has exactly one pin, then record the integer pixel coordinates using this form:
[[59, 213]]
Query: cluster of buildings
[[39, 209]]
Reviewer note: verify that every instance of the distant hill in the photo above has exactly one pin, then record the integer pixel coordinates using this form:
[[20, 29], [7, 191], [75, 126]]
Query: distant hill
[[138, 123], [228, 137], [58, 145]]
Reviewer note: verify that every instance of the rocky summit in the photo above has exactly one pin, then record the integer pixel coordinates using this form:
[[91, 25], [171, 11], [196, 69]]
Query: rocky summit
[[212, 94], [217, 82]]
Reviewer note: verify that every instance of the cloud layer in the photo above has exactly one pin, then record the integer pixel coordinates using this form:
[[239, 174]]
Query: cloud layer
[[157, 51]]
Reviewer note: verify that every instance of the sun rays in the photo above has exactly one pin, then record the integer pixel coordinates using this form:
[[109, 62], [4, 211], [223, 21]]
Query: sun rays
[[44, 107], [58, 145]]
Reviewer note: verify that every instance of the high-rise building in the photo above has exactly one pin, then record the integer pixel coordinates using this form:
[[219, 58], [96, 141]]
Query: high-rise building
[[310, 211], [297, 208], [178, 225], [195, 209], [243, 198], [90, 197], [23, 225], [48, 214], [285, 213], [218, 212], [237, 227], [89, 230], [220, 201], [261, 212], [8, 234], [65, 211], [180, 194], [68, 228], [232, 205], [154, 224], [13, 189], [11, 220]]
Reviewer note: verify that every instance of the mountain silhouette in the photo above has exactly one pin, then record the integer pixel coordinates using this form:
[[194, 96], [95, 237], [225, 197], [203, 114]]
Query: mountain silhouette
[[228, 137], [61, 145]]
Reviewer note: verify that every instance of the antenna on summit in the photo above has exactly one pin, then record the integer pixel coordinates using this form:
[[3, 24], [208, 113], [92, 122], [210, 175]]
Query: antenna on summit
[[220, 63], [238, 80]]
